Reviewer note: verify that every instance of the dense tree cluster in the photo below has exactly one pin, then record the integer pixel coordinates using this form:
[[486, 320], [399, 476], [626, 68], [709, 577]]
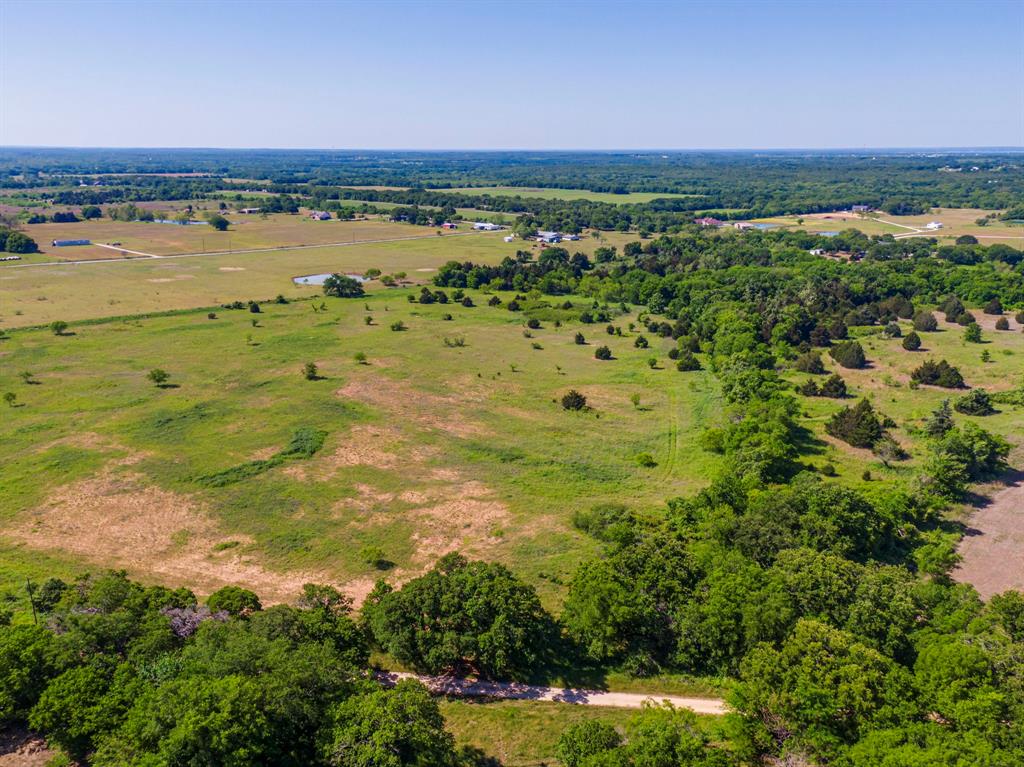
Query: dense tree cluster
[[119, 674]]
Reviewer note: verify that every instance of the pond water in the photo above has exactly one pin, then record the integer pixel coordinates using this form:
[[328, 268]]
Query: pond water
[[318, 279], [766, 226]]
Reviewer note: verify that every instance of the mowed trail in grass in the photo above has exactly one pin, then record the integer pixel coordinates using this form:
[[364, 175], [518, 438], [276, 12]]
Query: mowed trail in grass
[[427, 448], [40, 294]]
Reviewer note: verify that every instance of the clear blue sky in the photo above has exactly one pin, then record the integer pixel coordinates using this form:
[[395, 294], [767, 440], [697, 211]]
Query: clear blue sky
[[544, 75]]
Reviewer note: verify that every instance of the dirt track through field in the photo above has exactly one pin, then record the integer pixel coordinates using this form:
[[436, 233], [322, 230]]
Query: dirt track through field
[[993, 548], [468, 688]]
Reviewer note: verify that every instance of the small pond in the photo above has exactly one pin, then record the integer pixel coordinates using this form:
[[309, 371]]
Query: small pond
[[318, 279]]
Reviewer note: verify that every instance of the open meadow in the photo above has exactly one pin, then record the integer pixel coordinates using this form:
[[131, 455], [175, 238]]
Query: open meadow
[[431, 445]]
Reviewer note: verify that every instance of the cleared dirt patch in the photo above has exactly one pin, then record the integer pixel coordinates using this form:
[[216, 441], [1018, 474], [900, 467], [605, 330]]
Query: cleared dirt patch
[[115, 519], [993, 548], [430, 411]]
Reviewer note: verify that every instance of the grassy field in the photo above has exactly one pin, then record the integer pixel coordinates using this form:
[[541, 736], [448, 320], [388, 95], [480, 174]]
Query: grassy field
[[40, 294], [524, 733], [246, 232], [564, 194], [956, 222], [427, 448], [886, 382]]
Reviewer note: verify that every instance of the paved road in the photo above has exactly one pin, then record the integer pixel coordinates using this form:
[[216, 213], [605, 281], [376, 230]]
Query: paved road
[[140, 255], [456, 686]]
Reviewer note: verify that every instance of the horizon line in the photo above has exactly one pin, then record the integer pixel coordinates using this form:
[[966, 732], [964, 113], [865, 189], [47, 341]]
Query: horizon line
[[965, 148]]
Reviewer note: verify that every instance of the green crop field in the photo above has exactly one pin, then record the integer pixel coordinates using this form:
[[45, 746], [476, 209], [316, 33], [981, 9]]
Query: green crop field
[[564, 194], [426, 448]]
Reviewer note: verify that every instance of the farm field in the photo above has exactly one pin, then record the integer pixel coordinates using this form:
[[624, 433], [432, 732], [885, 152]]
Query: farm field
[[246, 232], [956, 222], [40, 294], [426, 449], [564, 194]]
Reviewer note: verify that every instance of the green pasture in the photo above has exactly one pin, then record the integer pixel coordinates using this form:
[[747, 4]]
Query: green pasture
[[428, 447]]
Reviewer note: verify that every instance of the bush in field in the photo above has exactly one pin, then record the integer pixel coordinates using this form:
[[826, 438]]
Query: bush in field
[[972, 333], [58, 327], [310, 372], [892, 330], [912, 341], [833, 386], [952, 307], [579, 339], [1002, 324], [398, 326], [858, 426], [603, 353], [533, 323], [849, 354], [995, 306], [939, 373], [218, 222], [810, 362], [925, 322], [573, 400], [640, 342], [965, 319], [646, 460], [687, 361], [158, 376], [975, 402]]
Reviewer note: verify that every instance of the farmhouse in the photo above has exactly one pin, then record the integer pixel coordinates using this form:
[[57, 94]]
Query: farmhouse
[[707, 221], [68, 243], [549, 237], [860, 209], [571, 237], [817, 251], [449, 225], [486, 226], [743, 225], [320, 215], [933, 225]]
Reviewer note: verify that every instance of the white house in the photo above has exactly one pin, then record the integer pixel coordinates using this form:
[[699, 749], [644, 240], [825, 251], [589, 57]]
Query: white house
[[933, 225], [320, 215], [486, 226], [549, 237]]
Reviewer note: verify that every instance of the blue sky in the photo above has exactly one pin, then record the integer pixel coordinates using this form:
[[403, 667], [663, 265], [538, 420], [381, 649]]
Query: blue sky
[[549, 75]]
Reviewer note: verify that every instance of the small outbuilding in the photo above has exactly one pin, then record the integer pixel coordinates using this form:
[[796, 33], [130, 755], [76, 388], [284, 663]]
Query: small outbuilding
[[486, 226], [69, 243], [707, 221], [933, 225]]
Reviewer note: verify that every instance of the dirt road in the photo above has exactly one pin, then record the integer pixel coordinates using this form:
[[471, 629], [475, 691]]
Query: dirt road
[[467, 688], [993, 548]]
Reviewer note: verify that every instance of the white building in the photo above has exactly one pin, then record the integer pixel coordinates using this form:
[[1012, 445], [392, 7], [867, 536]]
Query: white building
[[933, 225], [486, 226], [549, 237]]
